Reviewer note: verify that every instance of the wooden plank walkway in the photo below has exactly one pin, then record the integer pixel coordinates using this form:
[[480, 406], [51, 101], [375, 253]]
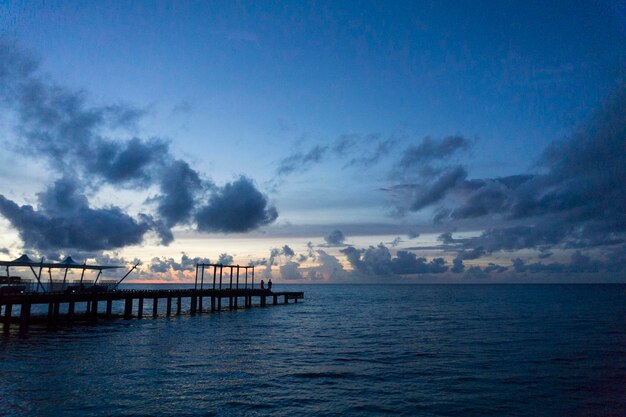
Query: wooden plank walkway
[[99, 304]]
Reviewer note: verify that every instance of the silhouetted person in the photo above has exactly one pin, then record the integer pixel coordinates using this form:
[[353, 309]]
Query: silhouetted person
[[269, 284], [262, 284]]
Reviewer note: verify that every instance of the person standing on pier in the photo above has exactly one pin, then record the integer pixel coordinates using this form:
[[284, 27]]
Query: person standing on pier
[[269, 284], [262, 284]]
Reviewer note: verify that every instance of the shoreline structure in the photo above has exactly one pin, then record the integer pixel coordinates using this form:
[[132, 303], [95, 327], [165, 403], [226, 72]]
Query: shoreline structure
[[21, 294]]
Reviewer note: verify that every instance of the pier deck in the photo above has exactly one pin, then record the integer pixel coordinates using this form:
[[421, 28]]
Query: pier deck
[[99, 304]]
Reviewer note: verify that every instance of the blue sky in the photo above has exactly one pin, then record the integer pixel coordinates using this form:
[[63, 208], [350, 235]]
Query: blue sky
[[317, 104]]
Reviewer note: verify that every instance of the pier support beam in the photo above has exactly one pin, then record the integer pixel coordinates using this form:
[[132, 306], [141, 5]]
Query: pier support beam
[[193, 304], [212, 303], [200, 304], [109, 308], [24, 317], [286, 299], [219, 303], [94, 310], [179, 306], [155, 307], [70, 311], [235, 303], [128, 308], [275, 299], [262, 301], [140, 308], [7, 317], [168, 309]]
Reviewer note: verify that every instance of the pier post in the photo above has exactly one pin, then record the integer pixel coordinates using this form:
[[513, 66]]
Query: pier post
[[155, 307], [50, 313], [179, 305], [237, 285], [128, 308], [286, 299], [24, 317], [275, 299], [263, 301], [140, 308], [94, 310], [168, 310], [193, 304], [219, 302], [109, 308], [88, 312], [200, 304], [235, 303], [212, 303], [7, 317], [221, 270], [70, 311], [230, 302]]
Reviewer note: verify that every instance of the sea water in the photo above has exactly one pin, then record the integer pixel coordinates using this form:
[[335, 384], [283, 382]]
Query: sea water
[[363, 350]]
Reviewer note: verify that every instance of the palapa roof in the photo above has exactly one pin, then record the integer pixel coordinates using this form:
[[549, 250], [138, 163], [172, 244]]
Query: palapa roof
[[67, 263]]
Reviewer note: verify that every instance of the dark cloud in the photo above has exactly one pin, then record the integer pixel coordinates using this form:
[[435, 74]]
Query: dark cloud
[[225, 259], [288, 252], [90, 146], [435, 191], [299, 161], [457, 266], [236, 207], [374, 154], [430, 150], [65, 220], [335, 238], [377, 260]]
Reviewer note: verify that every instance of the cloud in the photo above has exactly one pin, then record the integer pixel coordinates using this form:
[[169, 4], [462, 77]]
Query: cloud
[[298, 162], [236, 207], [91, 146], [290, 271], [65, 220], [377, 260], [430, 150], [162, 265], [335, 238]]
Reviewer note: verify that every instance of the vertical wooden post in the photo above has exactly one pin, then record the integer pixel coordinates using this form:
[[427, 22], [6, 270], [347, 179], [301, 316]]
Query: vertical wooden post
[[230, 286], [168, 310], [195, 285], [179, 305], [7, 317], [94, 310], [202, 279], [128, 308], [253, 277], [221, 269], [109, 308], [70, 311], [214, 274], [263, 301], [212, 303], [140, 308], [275, 299], [246, 286], [219, 302], [50, 313], [200, 304], [24, 317], [57, 307], [88, 312], [193, 304], [230, 302], [237, 285], [155, 307], [235, 303], [286, 299]]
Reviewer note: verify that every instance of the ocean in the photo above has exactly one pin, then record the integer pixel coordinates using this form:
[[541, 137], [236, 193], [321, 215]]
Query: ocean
[[345, 350]]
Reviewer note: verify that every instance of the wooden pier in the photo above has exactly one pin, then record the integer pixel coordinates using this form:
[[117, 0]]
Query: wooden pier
[[211, 293], [99, 304]]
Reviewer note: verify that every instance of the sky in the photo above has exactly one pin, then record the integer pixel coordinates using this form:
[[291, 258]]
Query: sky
[[320, 141]]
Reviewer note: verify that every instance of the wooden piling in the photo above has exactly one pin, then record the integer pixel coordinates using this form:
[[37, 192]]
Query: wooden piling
[[109, 308], [24, 317], [155, 307], [94, 310], [275, 299], [179, 306], [70, 311], [128, 308], [168, 310], [140, 308], [7, 317]]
